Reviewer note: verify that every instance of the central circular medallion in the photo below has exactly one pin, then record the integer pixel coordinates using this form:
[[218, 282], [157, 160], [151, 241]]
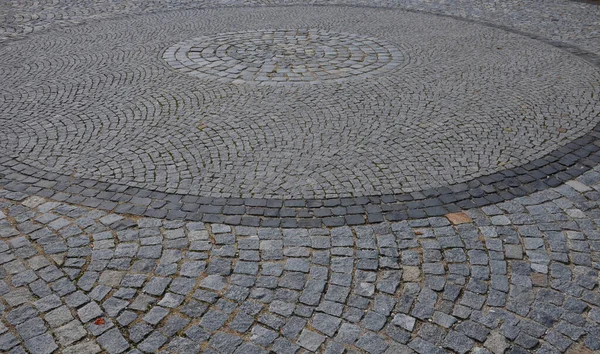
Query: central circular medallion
[[283, 56]]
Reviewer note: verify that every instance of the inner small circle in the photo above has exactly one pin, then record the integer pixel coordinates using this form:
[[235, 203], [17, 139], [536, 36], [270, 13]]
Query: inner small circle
[[284, 56]]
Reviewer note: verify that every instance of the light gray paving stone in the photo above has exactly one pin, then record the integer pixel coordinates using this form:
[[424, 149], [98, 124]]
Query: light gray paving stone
[[89, 312], [113, 342], [310, 340], [70, 333], [43, 344]]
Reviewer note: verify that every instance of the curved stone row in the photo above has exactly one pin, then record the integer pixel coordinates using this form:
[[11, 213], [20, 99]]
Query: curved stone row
[[563, 165], [520, 276]]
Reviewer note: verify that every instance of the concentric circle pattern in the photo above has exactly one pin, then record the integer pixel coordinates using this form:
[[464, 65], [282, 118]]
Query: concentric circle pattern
[[444, 102], [283, 56]]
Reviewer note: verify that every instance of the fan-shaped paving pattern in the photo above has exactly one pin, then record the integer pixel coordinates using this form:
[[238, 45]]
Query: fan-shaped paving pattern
[[521, 275], [464, 101]]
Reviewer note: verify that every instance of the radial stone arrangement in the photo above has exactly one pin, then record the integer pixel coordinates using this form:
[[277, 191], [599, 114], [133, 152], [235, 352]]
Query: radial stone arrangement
[[294, 179]]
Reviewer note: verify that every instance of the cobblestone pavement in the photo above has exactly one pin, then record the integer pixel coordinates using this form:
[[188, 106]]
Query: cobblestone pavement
[[204, 136], [519, 276], [268, 176]]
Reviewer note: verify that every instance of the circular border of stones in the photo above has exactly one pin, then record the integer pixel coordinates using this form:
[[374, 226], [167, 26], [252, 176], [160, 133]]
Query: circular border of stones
[[557, 167], [187, 57]]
